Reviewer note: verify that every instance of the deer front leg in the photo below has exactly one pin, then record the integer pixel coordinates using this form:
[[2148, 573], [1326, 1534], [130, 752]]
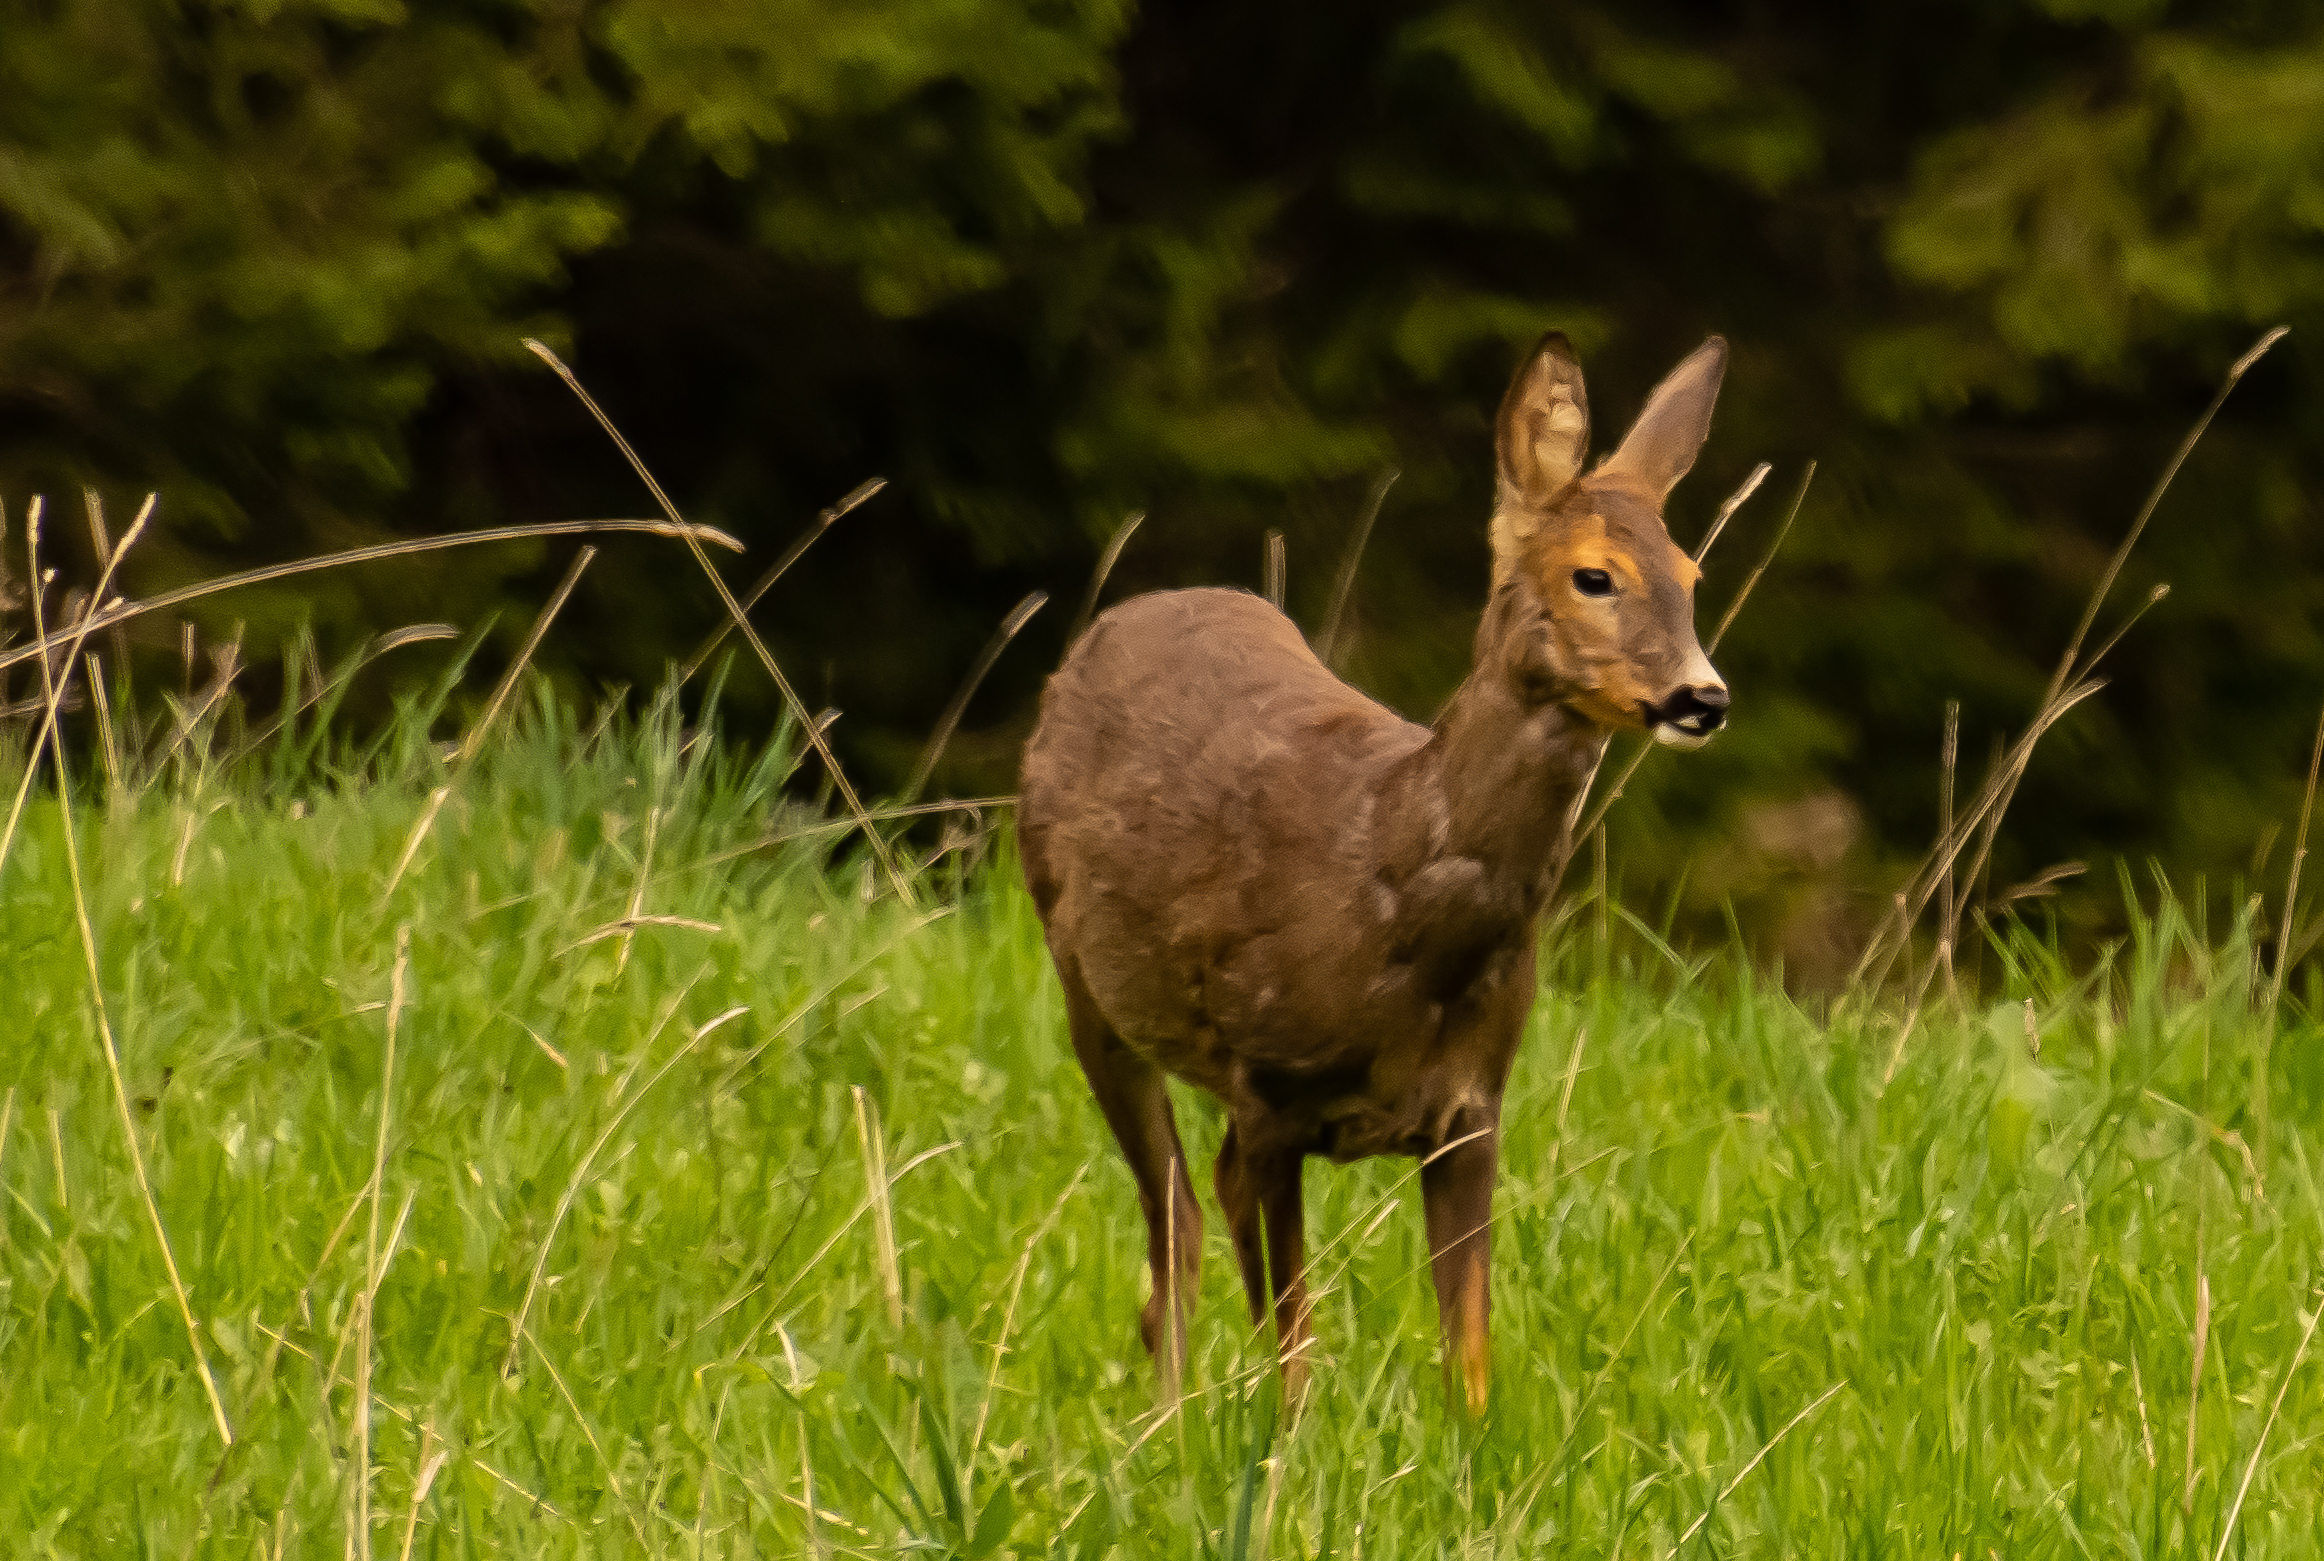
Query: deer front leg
[[1456, 1188], [1259, 1191]]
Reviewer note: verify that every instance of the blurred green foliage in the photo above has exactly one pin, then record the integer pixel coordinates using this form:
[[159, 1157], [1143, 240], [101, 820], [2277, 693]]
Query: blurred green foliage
[[1042, 264]]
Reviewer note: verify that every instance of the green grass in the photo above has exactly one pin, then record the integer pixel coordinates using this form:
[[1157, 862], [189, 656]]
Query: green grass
[[1993, 1259]]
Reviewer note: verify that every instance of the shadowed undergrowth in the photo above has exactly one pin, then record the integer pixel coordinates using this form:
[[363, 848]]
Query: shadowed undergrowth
[[621, 1270]]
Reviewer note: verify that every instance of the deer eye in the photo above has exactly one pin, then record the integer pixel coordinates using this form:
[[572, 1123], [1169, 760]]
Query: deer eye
[[1593, 582]]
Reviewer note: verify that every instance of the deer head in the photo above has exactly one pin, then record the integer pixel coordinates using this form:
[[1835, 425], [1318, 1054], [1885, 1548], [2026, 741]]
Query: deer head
[[1596, 602]]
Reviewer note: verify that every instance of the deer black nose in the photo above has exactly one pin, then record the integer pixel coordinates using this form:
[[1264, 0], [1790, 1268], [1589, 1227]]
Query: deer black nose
[[1698, 711]]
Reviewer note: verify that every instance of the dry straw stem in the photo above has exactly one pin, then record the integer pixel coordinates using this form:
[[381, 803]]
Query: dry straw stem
[[430, 1464], [875, 1181], [1994, 798], [69, 649], [1008, 1315], [645, 874], [56, 1156], [2146, 1431], [1799, 497], [1597, 816], [806, 1459], [2235, 373], [1950, 759], [94, 504], [1327, 647], [627, 925], [1565, 1096], [823, 994], [1274, 577], [773, 1315], [2225, 1138], [1886, 944], [108, 743], [741, 621], [2267, 1039], [946, 724], [1950, 933], [581, 1174], [474, 741], [122, 612], [1744, 1473], [360, 1330], [842, 826], [2202, 1345], [300, 1309], [226, 660], [391, 640], [855, 498], [397, 990], [2292, 880], [1912, 1019], [1105, 566], [177, 1284], [612, 1475], [1597, 1381], [2250, 1469], [1735, 501]]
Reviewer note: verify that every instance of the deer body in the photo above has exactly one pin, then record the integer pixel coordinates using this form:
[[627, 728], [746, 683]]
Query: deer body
[[1260, 880]]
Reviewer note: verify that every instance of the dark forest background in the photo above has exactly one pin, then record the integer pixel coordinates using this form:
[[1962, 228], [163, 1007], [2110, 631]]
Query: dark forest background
[[1044, 264]]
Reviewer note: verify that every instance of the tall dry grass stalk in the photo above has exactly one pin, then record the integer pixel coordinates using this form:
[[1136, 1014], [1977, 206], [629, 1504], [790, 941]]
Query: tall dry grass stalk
[[2259, 1444], [1735, 501], [1950, 762], [1744, 1473], [373, 1270], [431, 1464], [612, 1473], [873, 840], [1097, 579], [88, 936], [2291, 916], [474, 741], [67, 651], [949, 722], [1328, 645], [2201, 1346], [875, 1181], [297, 701], [824, 521], [582, 1167], [120, 612], [2070, 683], [992, 1384]]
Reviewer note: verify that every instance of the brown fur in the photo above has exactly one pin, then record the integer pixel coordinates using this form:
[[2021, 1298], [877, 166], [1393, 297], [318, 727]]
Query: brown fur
[[1258, 879]]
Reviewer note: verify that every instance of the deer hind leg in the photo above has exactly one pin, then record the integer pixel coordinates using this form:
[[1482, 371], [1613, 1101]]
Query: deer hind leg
[[1136, 1102], [1260, 1194], [1239, 1201]]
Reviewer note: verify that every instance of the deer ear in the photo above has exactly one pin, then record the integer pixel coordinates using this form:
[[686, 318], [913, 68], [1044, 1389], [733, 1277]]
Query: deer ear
[[1543, 432], [1662, 444]]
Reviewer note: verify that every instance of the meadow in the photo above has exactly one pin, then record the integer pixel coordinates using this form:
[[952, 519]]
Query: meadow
[[574, 1146]]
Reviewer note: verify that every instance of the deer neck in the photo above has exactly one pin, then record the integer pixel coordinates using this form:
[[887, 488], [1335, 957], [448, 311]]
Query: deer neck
[[1493, 791]]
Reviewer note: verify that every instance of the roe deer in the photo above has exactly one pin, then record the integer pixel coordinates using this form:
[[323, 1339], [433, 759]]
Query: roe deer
[[1258, 879]]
